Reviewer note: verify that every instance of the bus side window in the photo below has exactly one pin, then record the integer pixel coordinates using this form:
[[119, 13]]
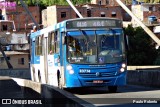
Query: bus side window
[[51, 43], [38, 45], [57, 39]]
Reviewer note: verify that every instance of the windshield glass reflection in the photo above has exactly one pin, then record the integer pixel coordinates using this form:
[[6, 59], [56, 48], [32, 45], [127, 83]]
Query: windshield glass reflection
[[94, 46]]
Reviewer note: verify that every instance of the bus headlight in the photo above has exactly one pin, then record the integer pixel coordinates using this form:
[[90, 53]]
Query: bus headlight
[[122, 70], [71, 72], [123, 66], [69, 68]]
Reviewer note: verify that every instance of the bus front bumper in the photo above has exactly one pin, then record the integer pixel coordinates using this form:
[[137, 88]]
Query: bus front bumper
[[118, 80]]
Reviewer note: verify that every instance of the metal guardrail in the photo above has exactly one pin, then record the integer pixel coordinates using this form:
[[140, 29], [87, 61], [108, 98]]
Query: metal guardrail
[[143, 68]]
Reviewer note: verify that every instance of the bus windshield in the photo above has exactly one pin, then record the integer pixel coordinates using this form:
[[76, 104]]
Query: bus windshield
[[94, 46]]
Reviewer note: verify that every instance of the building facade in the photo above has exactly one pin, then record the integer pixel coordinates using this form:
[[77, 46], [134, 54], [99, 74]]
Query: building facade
[[22, 19], [108, 2], [16, 59], [144, 11], [57, 13]]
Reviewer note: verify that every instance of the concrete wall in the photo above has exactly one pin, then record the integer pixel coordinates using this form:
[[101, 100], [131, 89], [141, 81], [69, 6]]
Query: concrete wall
[[17, 73], [149, 78], [50, 96], [51, 15]]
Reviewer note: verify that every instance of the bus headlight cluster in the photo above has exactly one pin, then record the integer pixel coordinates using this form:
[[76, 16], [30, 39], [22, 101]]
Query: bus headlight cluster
[[70, 69], [123, 66]]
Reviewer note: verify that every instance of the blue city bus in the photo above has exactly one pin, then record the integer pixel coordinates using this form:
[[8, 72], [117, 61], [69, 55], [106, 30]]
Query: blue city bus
[[82, 52]]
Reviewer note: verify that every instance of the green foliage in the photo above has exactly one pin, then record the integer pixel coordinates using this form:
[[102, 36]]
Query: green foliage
[[141, 48], [53, 2], [45, 3]]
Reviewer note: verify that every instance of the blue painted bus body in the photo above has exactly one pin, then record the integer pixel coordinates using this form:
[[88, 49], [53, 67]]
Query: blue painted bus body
[[107, 73], [81, 73]]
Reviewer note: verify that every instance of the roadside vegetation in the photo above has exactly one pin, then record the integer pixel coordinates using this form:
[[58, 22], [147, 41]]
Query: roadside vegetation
[[141, 48], [45, 3]]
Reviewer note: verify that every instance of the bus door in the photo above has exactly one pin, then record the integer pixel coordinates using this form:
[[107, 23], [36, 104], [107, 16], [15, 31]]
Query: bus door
[[53, 58], [59, 58], [62, 60], [45, 50]]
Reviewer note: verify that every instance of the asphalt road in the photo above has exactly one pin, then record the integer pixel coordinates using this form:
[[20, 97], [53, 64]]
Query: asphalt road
[[127, 96]]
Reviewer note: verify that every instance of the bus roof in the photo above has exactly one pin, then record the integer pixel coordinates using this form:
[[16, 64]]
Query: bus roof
[[60, 24], [93, 18]]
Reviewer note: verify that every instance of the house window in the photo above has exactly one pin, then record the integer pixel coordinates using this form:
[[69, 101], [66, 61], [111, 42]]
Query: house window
[[8, 58], [107, 2], [63, 14], [103, 14], [88, 12], [100, 2], [114, 14], [150, 8], [2, 59], [21, 61], [4, 27]]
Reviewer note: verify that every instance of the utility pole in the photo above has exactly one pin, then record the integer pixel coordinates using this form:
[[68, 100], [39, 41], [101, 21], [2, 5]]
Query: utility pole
[[74, 8], [29, 13], [147, 30]]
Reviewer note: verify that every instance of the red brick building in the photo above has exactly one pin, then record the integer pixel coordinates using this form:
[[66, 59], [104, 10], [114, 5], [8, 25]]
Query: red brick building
[[108, 2], [143, 11], [21, 18], [58, 13]]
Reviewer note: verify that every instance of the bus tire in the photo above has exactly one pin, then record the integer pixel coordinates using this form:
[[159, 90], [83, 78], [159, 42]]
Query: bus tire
[[112, 89], [59, 80], [39, 76]]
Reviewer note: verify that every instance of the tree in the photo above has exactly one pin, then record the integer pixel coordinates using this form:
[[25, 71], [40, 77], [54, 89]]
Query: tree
[[53, 2], [141, 48]]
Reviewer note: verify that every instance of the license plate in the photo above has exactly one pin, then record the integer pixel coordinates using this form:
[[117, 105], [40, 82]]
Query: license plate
[[97, 81]]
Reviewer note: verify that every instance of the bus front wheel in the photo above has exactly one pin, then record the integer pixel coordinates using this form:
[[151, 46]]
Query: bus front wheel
[[112, 89]]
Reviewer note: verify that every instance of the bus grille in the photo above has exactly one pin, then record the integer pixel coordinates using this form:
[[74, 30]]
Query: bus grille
[[95, 75]]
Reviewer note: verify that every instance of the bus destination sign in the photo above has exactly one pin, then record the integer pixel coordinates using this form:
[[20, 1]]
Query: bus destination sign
[[93, 23]]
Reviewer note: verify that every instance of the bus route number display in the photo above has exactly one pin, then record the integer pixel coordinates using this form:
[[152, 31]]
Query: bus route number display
[[92, 23]]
